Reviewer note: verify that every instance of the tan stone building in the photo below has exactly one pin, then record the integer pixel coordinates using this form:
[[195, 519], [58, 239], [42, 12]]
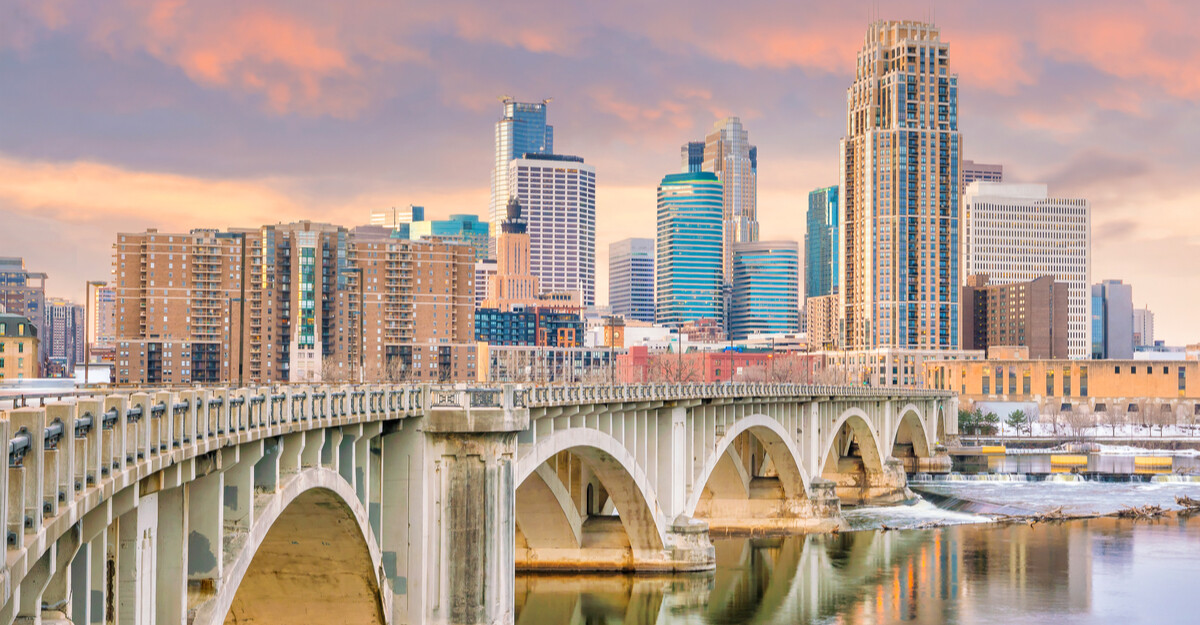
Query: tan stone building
[[822, 315], [281, 303], [1058, 385], [18, 347]]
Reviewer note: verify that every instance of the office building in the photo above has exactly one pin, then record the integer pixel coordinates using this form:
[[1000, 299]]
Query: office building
[[979, 172], [1143, 328], [18, 347], [822, 317], [728, 154], [1017, 233], [102, 327], [1112, 320], [1029, 314], [466, 229], [64, 337], [688, 249], [631, 279], [397, 218], [692, 155], [293, 302], [521, 130], [899, 267], [821, 244], [484, 270], [513, 283], [557, 194], [766, 289], [23, 292]]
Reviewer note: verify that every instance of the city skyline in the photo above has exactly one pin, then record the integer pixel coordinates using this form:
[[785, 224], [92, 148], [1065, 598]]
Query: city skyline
[[322, 142]]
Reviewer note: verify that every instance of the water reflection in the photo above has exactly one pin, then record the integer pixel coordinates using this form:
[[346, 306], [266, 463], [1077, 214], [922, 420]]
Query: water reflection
[[1094, 571]]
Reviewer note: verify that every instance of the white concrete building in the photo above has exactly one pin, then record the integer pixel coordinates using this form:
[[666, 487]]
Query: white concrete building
[[1017, 232], [484, 270], [1143, 327], [558, 199]]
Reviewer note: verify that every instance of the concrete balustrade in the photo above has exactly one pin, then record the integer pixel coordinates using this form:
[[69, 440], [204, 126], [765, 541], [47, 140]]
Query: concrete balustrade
[[415, 504]]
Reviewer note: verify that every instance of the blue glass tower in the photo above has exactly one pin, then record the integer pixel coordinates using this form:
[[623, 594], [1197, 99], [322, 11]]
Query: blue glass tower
[[521, 130], [821, 244], [766, 288], [690, 211]]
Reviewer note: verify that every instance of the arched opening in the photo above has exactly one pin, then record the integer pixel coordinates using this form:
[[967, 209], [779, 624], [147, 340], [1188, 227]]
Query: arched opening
[[584, 504], [939, 436], [852, 460], [911, 444], [313, 566]]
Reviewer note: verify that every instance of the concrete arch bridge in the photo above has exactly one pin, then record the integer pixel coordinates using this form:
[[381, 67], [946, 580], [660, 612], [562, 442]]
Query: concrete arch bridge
[[415, 504]]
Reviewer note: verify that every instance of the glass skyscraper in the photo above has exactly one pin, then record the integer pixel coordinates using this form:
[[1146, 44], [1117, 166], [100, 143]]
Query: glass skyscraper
[[631, 279], [521, 130], [689, 248], [766, 289], [821, 244], [899, 267]]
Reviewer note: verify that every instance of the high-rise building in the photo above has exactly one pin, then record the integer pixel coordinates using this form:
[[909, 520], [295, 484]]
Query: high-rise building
[[291, 303], [102, 327], [513, 283], [18, 347], [899, 267], [692, 156], [64, 337], [23, 293], [484, 270], [822, 318], [728, 154], [688, 249], [1112, 320], [557, 194], [821, 244], [1030, 314], [464, 228], [766, 289], [521, 130], [1143, 327], [631, 279], [1017, 233], [397, 217], [980, 172]]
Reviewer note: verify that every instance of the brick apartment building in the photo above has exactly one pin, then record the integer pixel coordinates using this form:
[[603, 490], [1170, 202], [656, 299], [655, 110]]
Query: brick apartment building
[[291, 303]]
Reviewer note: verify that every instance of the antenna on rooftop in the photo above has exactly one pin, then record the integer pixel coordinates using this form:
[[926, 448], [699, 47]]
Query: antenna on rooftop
[[547, 100]]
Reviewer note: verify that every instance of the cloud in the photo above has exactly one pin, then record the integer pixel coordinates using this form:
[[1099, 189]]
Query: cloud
[[1095, 168]]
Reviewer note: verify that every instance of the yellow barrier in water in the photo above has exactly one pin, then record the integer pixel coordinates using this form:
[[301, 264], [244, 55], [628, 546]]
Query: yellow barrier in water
[[1074, 461], [993, 449], [1152, 461]]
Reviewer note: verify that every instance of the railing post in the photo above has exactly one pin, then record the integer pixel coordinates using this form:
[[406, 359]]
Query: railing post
[[87, 447], [59, 457], [26, 506]]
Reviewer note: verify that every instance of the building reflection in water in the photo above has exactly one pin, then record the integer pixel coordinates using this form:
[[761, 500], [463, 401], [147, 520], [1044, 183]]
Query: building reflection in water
[[953, 574]]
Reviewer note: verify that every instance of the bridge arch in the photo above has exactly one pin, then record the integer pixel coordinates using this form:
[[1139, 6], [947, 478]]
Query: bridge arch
[[858, 424], [626, 483], [779, 447], [912, 428], [314, 535]]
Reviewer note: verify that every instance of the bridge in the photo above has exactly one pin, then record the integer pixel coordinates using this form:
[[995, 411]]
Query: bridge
[[416, 504]]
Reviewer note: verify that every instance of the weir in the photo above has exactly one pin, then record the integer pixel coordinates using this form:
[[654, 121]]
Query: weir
[[417, 503]]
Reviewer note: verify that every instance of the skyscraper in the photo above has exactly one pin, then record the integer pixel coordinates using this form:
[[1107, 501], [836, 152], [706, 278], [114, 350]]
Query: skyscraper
[[1112, 320], [557, 194], [766, 288], [631, 278], [521, 130], [692, 155], [1143, 327], [1017, 233], [102, 327], [64, 337], [899, 274], [688, 249], [513, 283], [821, 244], [23, 293], [729, 155]]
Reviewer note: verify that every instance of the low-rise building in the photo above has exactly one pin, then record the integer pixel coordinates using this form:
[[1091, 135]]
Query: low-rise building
[[18, 347]]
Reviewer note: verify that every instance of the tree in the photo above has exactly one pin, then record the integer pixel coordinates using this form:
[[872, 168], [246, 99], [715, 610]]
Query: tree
[[1078, 421], [1017, 420], [989, 422], [671, 368], [1114, 415]]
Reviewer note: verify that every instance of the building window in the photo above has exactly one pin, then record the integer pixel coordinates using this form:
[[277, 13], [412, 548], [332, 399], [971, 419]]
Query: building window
[[987, 385], [1026, 380], [1050, 384], [1083, 381], [1066, 381]]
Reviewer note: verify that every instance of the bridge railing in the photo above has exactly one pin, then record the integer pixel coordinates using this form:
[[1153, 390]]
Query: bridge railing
[[541, 396]]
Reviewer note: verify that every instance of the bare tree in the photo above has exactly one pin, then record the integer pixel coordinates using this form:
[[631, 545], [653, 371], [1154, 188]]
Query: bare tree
[[671, 368], [1078, 420], [332, 372], [1114, 415]]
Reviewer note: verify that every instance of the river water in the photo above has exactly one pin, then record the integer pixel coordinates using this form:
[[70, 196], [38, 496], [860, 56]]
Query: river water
[[969, 571]]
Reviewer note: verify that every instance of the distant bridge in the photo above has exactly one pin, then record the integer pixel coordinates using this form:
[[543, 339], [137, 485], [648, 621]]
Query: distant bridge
[[414, 504]]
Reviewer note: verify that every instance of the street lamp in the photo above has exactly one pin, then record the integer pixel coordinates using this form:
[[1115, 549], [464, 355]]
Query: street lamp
[[87, 320]]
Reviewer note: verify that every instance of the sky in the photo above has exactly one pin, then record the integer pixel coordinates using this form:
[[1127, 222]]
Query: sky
[[129, 114]]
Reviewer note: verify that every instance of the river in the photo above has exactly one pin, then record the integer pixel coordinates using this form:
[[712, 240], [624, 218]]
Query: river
[[1088, 571]]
